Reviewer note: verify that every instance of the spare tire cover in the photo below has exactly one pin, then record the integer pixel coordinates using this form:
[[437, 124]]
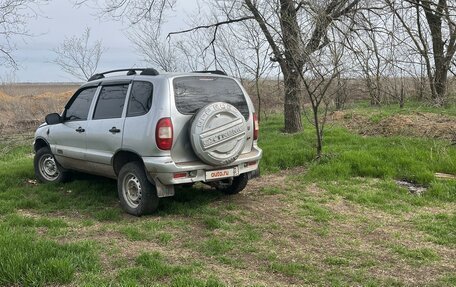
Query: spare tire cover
[[218, 133]]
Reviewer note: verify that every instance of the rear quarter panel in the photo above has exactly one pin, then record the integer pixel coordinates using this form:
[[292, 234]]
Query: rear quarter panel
[[139, 131]]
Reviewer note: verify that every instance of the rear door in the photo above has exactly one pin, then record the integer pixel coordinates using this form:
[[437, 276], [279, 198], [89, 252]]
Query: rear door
[[138, 130], [191, 93], [68, 139], [105, 128]]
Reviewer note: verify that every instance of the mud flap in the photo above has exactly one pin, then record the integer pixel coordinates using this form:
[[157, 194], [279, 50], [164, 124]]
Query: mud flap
[[254, 174], [163, 190]]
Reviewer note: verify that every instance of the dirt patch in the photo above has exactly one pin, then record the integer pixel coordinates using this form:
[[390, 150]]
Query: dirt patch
[[278, 180], [417, 124]]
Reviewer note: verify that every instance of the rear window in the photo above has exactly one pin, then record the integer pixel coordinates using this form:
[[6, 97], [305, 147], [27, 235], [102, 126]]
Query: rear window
[[194, 92]]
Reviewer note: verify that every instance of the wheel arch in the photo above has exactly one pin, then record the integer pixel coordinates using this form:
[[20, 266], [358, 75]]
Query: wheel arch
[[123, 157], [40, 143]]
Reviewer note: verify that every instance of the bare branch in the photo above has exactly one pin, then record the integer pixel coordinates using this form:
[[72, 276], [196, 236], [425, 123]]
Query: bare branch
[[77, 57], [215, 25]]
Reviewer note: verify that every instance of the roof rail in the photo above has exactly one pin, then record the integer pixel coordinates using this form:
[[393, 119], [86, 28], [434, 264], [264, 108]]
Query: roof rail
[[131, 71], [217, 72]]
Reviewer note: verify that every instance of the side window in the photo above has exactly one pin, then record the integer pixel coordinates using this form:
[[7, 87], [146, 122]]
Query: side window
[[140, 99], [79, 108], [111, 102]]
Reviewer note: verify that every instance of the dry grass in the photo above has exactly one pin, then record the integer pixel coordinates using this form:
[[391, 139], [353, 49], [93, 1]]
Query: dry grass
[[25, 107], [417, 124], [35, 89]]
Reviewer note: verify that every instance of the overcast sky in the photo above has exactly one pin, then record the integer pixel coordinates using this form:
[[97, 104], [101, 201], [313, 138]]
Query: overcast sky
[[61, 19]]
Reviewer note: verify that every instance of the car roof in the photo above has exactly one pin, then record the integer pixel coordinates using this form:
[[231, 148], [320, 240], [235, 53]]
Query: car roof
[[97, 79]]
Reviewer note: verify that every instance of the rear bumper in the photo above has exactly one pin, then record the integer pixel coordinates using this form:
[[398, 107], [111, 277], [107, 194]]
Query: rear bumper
[[164, 168]]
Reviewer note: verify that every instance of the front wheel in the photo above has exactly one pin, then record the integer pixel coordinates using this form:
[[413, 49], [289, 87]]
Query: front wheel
[[233, 185], [137, 195], [47, 169]]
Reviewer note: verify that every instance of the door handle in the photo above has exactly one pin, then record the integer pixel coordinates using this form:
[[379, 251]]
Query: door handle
[[80, 130], [114, 130]]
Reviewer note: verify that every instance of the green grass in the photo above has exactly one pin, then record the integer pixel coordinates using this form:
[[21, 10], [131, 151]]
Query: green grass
[[150, 269], [315, 211], [349, 155], [271, 190], [416, 256], [440, 228], [330, 225], [108, 214], [214, 246], [16, 221], [379, 195], [291, 269], [337, 261], [27, 260]]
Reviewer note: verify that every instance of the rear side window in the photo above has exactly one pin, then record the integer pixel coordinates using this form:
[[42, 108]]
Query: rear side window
[[111, 102], [140, 99], [79, 107], [194, 92]]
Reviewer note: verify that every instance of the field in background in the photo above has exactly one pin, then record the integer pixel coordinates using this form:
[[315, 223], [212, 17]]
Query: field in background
[[24, 106], [342, 221], [35, 89]]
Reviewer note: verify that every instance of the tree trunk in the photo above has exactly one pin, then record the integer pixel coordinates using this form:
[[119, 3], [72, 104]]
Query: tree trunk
[[440, 79], [292, 107], [291, 66], [402, 95], [290, 60], [318, 132], [341, 95], [441, 62], [258, 94]]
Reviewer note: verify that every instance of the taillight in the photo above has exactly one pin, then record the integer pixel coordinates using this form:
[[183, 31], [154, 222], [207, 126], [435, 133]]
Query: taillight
[[164, 134], [256, 127]]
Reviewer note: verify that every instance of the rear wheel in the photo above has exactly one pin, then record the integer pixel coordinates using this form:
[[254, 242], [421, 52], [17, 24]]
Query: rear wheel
[[47, 169], [233, 185], [137, 195]]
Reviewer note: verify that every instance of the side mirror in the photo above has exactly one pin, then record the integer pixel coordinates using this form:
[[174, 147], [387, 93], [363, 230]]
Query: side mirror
[[53, 119]]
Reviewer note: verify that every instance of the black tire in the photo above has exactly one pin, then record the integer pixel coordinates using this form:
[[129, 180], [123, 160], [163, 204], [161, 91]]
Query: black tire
[[47, 169], [234, 185], [138, 196]]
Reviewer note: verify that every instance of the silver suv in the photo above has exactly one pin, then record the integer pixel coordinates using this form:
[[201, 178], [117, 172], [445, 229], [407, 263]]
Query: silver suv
[[153, 131]]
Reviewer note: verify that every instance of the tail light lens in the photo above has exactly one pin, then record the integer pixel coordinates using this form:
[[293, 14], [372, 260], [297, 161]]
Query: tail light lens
[[164, 134], [256, 127]]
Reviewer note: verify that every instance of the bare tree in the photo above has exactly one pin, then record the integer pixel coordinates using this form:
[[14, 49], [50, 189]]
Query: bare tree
[[367, 46], [76, 56], [245, 53], [193, 54], [431, 26], [133, 10], [293, 29], [321, 80], [155, 50], [7, 82], [13, 22], [188, 52]]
